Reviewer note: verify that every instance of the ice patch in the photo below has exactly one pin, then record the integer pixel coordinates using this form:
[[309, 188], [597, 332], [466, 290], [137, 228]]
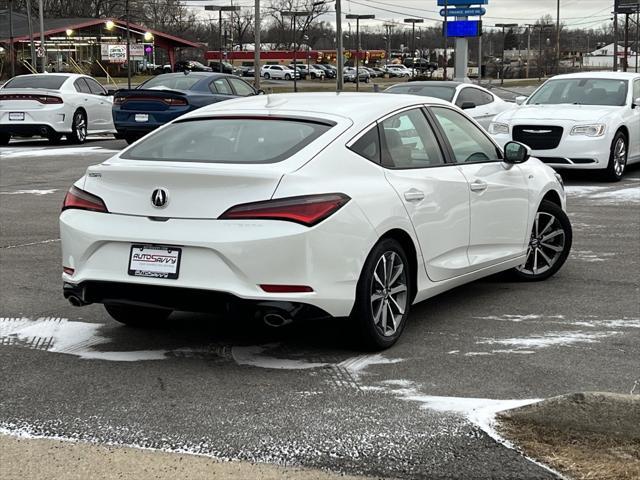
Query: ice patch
[[624, 195], [31, 152], [578, 191], [30, 192], [254, 356], [589, 256]]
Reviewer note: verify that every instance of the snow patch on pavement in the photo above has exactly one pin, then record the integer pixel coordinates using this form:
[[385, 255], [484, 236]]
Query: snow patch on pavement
[[9, 153], [254, 355], [605, 194], [59, 335], [31, 192], [589, 256], [550, 339]]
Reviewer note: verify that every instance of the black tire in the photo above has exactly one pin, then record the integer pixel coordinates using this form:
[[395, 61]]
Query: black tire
[[267, 76], [54, 138], [4, 138], [287, 76], [78, 133], [369, 331], [135, 316], [131, 138], [616, 166], [367, 80], [542, 230]]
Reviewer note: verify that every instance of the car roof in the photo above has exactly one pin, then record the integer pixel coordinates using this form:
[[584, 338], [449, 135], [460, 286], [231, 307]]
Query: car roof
[[605, 75], [434, 84], [359, 107]]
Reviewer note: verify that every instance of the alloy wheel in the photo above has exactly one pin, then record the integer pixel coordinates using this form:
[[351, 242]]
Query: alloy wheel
[[619, 156], [81, 127], [546, 244], [389, 293]]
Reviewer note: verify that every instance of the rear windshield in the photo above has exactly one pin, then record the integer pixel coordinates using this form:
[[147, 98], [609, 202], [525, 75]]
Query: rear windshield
[[53, 82], [228, 140], [172, 81], [443, 93]]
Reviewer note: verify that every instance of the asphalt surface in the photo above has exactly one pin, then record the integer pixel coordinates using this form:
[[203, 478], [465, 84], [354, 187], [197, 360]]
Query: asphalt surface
[[303, 396]]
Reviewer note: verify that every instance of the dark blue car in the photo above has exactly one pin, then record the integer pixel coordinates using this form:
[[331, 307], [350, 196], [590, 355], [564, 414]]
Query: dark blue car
[[163, 98]]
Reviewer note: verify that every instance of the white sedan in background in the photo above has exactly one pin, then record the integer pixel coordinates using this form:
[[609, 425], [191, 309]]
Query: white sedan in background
[[479, 103], [348, 205], [53, 105], [579, 121]]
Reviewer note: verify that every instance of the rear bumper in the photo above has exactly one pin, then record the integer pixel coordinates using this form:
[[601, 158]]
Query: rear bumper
[[52, 118], [231, 257], [28, 130], [176, 298]]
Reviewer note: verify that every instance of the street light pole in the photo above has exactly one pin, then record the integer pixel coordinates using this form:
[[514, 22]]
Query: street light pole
[[413, 22], [12, 51], [358, 18], [257, 48], [126, 13], [504, 43], [293, 15], [220, 9], [339, 49], [558, 40], [42, 47]]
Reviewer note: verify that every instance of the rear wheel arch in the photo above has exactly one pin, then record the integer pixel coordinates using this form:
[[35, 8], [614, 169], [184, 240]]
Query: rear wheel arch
[[407, 243]]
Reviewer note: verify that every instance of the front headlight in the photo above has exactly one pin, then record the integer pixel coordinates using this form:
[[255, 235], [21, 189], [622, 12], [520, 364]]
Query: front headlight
[[498, 129], [596, 130]]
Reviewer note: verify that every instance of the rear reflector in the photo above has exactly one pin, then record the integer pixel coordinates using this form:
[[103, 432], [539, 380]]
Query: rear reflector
[[286, 288], [68, 270], [307, 210], [45, 99], [82, 200]]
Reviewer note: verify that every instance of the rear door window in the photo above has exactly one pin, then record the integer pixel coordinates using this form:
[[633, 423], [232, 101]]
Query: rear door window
[[95, 87], [228, 140], [81, 86], [475, 96], [242, 88], [221, 86], [368, 145]]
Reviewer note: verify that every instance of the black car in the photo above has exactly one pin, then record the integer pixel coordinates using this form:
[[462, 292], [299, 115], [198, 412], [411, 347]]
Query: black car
[[246, 71], [226, 68], [328, 72], [191, 66], [159, 100]]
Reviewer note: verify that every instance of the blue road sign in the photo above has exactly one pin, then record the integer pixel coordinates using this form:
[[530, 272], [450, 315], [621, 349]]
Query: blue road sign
[[463, 28], [463, 12], [462, 3]]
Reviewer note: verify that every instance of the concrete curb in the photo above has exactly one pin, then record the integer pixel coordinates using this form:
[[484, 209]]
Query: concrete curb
[[611, 414]]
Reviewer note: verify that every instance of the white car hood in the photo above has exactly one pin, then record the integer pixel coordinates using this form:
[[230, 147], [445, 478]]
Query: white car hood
[[577, 113]]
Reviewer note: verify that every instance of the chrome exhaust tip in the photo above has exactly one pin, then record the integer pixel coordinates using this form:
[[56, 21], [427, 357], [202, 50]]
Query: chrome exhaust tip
[[276, 320]]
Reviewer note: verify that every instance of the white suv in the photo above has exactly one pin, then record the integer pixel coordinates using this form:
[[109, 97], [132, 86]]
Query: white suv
[[278, 72], [310, 71]]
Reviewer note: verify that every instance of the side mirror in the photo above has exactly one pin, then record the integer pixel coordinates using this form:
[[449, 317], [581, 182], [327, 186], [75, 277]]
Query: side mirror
[[636, 103], [521, 99], [516, 152], [467, 105], [260, 92], [111, 92]]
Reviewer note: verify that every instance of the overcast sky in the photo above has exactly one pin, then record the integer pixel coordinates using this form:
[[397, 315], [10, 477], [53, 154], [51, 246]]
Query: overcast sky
[[575, 13]]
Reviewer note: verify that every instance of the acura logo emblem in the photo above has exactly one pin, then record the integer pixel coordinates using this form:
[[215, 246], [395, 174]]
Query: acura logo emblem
[[159, 198]]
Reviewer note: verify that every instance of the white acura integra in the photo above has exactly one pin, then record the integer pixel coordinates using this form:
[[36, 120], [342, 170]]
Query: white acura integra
[[309, 205], [581, 120]]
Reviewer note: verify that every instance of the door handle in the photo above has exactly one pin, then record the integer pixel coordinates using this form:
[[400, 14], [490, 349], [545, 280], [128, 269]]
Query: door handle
[[413, 195], [478, 186]]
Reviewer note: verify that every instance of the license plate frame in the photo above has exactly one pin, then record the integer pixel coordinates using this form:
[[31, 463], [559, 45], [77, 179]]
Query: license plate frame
[[141, 117], [155, 261], [16, 116]]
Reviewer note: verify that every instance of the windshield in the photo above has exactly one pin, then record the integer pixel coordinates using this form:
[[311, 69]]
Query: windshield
[[172, 81], [53, 82], [581, 91], [443, 93], [228, 140]]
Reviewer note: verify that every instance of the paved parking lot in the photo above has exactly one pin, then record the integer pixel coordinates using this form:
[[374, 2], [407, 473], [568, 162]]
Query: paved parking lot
[[225, 387]]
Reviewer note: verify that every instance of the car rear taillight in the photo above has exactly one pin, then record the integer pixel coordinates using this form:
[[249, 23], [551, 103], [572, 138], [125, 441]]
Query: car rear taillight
[[307, 210], [44, 99], [175, 101], [118, 100], [82, 200]]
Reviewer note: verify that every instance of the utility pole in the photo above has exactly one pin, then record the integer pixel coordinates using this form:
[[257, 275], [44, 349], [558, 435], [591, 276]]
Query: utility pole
[[339, 49], [388, 27], [446, 38], [126, 13], [257, 48], [294, 15], [558, 40], [615, 40], [504, 37], [413, 22], [358, 18], [42, 46], [12, 51], [480, 59], [34, 60], [220, 9], [529, 27], [626, 42]]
